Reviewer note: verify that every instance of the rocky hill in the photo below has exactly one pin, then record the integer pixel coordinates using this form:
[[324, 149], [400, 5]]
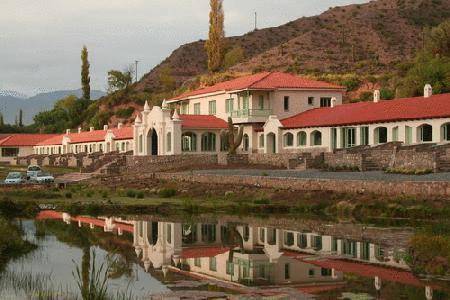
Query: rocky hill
[[360, 40], [363, 38]]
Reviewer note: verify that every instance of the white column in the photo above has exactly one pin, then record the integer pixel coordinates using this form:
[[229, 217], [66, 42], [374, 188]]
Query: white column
[[415, 140], [436, 133], [358, 136]]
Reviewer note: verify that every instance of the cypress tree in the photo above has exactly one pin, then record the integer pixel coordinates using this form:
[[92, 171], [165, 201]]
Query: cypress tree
[[20, 118], [2, 120], [214, 46], [85, 78]]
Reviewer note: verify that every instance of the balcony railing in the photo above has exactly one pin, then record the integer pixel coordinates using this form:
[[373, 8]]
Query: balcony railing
[[245, 113]]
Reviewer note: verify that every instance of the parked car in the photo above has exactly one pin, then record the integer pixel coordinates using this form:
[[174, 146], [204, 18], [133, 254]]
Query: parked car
[[32, 171], [42, 177], [15, 178]]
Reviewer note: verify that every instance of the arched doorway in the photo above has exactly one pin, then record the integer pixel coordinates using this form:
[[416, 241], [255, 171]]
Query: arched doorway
[[271, 143], [152, 142]]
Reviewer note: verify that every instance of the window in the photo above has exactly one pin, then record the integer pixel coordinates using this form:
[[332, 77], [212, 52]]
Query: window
[[380, 135], [10, 152], [326, 272], [197, 262], [261, 102], [310, 100], [301, 138], [446, 132], [395, 134], [311, 272], [245, 102], [169, 233], [287, 271], [349, 137], [325, 102], [229, 106], [364, 132], [184, 110], [212, 107], [334, 244], [230, 268], [288, 140], [261, 141], [141, 144], [316, 242], [286, 103], [246, 142], [302, 240], [189, 142], [408, 135], [262, 235], [246, 234], [426, 133], [289, 239], [169, 142], [316, 138], [208, 142], [212, 264], [196, 108]]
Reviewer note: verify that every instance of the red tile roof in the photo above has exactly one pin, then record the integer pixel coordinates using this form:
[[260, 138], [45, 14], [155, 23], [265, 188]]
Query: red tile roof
[[197, 252], [264, 81], [437, 106], [18, 140], [90, 136], [202, 121], [366, 270]]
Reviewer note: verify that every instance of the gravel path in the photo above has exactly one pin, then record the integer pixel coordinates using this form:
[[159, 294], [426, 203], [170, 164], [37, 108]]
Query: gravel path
[[315, 174]]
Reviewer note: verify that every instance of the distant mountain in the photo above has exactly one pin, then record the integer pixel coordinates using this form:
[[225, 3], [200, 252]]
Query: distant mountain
[[11, 102]]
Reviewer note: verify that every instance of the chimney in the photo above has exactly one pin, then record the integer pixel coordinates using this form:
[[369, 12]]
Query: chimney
[[120, 125], [105, 127], [67, 131], [79, 129], [333, 102], [427, 91], [376, 96], [91, 129]]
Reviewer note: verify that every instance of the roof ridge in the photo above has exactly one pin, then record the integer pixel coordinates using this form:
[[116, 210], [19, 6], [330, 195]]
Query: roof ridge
[[261, 79]]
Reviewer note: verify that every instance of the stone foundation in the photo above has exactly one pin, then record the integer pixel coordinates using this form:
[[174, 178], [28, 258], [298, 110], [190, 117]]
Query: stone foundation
[[391, 188]]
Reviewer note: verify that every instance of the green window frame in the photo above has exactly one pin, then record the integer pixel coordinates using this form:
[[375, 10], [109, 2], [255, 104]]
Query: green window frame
[[229, 103], [197, 262], [197, 109], [288, 140], [261, 102], [184, 109], [325, 102], [212, 107], [364, 135], [212, 264], [208, 142], [408, 135], [230, 268], [261, 141]]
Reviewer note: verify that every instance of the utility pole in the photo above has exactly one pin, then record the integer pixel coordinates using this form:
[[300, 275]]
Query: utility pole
[[256, 21], [136, 69]]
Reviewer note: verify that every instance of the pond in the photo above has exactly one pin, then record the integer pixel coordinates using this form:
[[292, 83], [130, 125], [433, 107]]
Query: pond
[[152, 257]]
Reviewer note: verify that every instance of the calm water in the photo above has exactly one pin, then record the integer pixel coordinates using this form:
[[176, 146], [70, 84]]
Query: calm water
[[216, 257]]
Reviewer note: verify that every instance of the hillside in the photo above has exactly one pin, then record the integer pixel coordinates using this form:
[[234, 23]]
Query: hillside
[[11, 102], [365, 39]]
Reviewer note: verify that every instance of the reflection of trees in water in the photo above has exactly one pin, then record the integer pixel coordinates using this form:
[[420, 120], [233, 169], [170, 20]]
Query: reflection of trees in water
[[119, 258]]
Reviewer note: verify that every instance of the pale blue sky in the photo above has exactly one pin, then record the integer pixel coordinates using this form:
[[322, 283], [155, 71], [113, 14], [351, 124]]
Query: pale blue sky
[[40, 40]]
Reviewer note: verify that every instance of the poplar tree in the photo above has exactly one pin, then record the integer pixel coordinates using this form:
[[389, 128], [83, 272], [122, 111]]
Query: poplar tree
[[2, 120], [20, 118], [214, 46], [85, 78]]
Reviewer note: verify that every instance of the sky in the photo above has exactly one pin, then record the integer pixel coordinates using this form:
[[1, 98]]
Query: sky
[[41, 40]]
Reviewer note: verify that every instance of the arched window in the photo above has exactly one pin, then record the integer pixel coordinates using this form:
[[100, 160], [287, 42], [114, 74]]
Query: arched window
[[289, 239], [224, 143], [189, 142], [246, 142], [316, 138], [380, 135], [301, 138], [445, 132], [169, 142], [288, 140], [261, 141], [208, 142], [425, 133]]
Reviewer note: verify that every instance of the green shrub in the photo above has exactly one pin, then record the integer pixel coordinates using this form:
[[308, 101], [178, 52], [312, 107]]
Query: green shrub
[[131, 193], [140, 195], [125, 112], [167, 193], [68, 195], [104, 194], [263, 201]]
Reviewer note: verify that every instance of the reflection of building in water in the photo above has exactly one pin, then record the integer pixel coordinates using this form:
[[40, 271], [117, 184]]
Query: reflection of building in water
[[254, 255]]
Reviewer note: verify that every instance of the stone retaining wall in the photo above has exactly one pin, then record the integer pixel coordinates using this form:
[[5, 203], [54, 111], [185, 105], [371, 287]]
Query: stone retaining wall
[[151, 164], [340, 159], [388, 188]]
